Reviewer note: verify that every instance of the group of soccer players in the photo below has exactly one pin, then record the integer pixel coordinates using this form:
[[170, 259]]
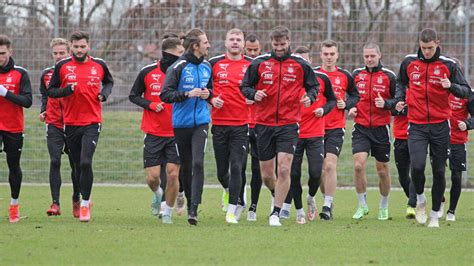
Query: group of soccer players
[[273, 106]]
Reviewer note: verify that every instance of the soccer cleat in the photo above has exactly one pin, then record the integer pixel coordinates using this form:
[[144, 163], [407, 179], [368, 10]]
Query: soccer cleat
[[325, 214], [312, 210], [85, 213], [252, 216], [284, 214], [155, 205], [360, 213], [300, 219], [225, 200], [411, 213], [274, 220], [14, 213], [441, 210], [180, 204], [420, 213], [53, 210], [238, 212], [192, 220], [383, 214], [76, 209], [230, 218], [434, 222], [166, 219], [450, 217]]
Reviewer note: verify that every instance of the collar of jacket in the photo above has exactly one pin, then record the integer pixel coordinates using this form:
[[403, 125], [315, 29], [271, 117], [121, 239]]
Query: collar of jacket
[[189, 56], [432, 59], [283, 58], [8, 67], [375, 69], [167, 60]]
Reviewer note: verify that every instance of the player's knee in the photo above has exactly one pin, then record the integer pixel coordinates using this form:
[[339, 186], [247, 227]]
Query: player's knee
[[359, 167], [55, 163]]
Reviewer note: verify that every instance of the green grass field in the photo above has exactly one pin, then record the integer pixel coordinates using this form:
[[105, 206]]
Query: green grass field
[[118, 158], [122, 231]]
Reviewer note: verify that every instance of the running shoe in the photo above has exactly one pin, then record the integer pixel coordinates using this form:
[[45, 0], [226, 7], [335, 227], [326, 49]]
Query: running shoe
[[325, 214], [420, 215], [14, 213], [312, 210], [53, 210], [360, 213], [274, 220], [383, 214]]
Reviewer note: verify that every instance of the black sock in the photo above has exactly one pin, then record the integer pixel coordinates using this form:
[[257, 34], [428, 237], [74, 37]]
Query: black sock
[[253, 207], [276, 211]]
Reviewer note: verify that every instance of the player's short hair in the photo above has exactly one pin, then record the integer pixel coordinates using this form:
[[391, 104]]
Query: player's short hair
[[372, 45], [252, 37], [192, 37], [79, 35], [5, 40], [428, 35], [280, 32], [235, 31], [329, 43], [302, 50], [170, 43], [59, 41]]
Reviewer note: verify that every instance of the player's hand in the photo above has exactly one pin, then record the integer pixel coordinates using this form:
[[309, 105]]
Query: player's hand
[[462, 125], [3, 91], [379, 101], [353, 112], [318, 112], [305, 100], [196, 92], [249, 102], [445, 82], [159, 107], [217, 102], [100, 97], [341, 104], [42, 116], [399, 107], [205, 93], [260, 94]]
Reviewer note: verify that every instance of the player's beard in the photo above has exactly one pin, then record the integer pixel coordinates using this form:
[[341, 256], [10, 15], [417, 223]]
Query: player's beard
[[80, 58]]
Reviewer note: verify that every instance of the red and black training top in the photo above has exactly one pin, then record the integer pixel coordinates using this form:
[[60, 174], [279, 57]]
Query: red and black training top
[[462, 111], [282, 78], [310, 125], [16, 80], [421, 89], [145, 93], [53, 107], [400, 123], [81, 104], [342, 83], [370, 83], [227, 76]]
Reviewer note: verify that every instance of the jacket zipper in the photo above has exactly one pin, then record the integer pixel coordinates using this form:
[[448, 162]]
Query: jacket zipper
[[426, 93], [196, 100], [370, 101], [278, 102]]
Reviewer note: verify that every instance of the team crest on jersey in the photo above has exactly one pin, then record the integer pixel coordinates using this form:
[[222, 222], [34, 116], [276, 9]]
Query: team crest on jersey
[[337, 81], [93, 71], [437, 71], [380, 80], [9, 79], [291, 69]]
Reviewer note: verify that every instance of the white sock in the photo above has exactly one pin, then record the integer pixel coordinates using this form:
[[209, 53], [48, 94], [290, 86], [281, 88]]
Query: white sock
[[167, 210], [309, 197], [384, 202], [84, 203], [328, 201], [300, 212], [231, 208], [420, 198], [286, 207], [159, 192], [13, 201], [362, 199], [181, 194]]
